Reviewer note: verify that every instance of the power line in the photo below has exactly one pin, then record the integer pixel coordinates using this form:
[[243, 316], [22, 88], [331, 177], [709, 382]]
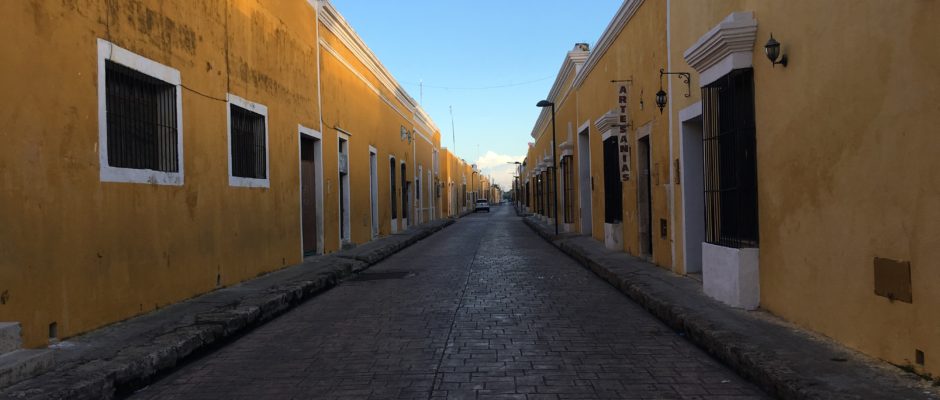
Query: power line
[[422, 85]]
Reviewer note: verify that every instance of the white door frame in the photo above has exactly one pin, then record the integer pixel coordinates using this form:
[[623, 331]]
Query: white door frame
[[345, 219], [318, 187], [374, 189], [691, 152]]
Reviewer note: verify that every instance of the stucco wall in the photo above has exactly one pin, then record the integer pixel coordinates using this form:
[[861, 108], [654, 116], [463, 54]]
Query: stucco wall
[[847, 165]]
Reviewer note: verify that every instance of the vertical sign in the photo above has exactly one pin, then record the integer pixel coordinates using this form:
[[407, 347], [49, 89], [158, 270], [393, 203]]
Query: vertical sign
[[623, 141]]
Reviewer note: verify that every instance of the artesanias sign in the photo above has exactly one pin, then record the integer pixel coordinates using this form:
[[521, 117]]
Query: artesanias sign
[[623, 141]]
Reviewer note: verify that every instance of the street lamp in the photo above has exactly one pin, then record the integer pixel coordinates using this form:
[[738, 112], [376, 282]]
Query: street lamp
[[516, 183], [543, 104]]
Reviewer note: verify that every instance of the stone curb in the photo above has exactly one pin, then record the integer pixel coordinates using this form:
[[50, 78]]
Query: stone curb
[[783, 360], [123, 357]]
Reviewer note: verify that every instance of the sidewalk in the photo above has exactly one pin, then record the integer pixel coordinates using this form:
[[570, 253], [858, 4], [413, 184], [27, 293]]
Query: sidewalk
[[782, 359], [125, 356]]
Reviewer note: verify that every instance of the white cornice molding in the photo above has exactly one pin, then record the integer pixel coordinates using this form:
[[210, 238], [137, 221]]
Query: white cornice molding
[[606, 122], [571, 65], [624, 14], [727, 46], [331, 18]]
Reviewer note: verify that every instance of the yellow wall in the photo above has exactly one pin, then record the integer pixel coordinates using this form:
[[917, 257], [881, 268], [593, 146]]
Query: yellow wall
[[85, 253], [62, 260], [847, 163], [637, 53]]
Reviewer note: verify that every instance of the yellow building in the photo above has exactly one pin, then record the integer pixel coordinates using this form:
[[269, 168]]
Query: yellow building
[[189, 147], [801, 188], [626, 212], [842, 238]]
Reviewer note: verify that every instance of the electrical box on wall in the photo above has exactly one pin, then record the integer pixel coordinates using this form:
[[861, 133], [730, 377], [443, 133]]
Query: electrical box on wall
[[893, 279]]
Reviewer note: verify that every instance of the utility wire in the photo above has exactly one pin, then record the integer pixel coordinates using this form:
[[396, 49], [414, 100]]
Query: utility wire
[[422, 85]]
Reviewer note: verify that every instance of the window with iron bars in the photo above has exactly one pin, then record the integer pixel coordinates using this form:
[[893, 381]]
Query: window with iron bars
[[248, 144], [567, 178], [613, 198], [142, 122], [730, 160]]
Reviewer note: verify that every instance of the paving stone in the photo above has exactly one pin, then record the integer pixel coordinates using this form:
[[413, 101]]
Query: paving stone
[[489, 311], [783, 360], [126, 356]]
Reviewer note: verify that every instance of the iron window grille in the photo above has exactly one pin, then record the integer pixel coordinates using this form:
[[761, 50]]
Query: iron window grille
[[730, 160], [248, 144], [613, 199], [567, 172], [142, 121]]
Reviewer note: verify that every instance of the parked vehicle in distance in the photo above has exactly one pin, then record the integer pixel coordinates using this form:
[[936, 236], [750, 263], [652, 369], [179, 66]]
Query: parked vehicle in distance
[[482, 205]]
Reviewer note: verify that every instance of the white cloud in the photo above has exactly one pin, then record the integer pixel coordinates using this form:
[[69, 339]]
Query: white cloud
[[498, 167]]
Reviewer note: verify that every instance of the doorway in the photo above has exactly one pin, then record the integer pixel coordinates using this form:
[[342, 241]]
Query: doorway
[[693, 192], [392, 166], [344, 222], [374, 189], [644, 201], [311, 204], [404, 196], [584, 181]]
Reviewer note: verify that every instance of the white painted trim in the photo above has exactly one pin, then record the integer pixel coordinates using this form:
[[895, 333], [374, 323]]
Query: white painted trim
[[362, 78], [670, 187], [318, 189], [687, 114], [585, 125], [256, 108], [726, 47], [415, 129], [690, 112], [345, 195], [626, 12], [333, 20], [643, 132], [574, 59], [374, 191], [107, 173]]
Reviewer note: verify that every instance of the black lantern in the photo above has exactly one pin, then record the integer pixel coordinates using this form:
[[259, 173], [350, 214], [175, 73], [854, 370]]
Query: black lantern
[[772, 49], [661, 99], [661, 94]]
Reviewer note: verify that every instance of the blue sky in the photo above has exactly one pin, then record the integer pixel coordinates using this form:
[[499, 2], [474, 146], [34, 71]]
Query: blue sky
[[490, 60]]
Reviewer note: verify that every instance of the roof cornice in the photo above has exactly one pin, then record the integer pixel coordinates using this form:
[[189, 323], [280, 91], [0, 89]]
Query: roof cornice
[[571, 65], [624, 14], [331, 18]]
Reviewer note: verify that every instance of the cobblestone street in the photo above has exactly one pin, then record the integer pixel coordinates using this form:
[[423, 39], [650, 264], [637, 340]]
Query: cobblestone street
[[482, 310]]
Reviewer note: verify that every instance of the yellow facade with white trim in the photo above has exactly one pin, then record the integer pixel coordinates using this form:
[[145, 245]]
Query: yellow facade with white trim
[[81, 253]]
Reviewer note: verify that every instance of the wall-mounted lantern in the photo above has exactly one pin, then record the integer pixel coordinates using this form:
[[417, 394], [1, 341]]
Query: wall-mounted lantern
[[772, 49], [661, 94]]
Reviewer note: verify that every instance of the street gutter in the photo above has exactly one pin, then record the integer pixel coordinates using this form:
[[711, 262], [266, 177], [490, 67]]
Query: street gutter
[[121, 358], [784, 360]]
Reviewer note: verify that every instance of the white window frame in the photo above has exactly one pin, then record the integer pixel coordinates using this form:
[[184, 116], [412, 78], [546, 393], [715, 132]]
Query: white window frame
[[109, 51], [239, 181]]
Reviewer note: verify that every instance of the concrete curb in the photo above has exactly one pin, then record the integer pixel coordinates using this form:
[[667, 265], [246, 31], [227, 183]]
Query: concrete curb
[[783, 360], [123, 357]]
